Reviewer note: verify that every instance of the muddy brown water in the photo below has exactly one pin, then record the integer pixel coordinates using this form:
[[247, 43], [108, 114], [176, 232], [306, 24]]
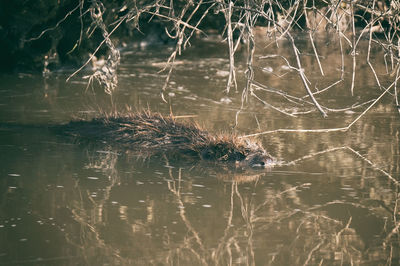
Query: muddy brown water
[[69, 203]]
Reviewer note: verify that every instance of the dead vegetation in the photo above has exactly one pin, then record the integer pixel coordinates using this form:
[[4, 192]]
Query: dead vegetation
[[264, 26], [345, 25]]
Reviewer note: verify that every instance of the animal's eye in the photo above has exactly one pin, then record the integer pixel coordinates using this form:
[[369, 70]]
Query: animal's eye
[[239, 156]]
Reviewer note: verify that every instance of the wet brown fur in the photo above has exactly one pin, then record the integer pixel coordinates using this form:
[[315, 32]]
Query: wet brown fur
[[148, 131]]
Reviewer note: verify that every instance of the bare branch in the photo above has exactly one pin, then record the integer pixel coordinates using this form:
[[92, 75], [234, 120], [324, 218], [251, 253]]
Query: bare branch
[[303, 77], [324, 130]]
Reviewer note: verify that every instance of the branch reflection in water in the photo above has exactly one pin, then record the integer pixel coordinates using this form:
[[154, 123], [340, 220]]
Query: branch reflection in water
[[254, 218]]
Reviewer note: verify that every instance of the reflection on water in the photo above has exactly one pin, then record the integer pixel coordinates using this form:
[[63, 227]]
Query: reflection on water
[[67, 203]]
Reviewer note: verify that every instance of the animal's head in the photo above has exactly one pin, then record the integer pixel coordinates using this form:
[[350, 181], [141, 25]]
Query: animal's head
[[256, 159], [255, 155], [243, 153]]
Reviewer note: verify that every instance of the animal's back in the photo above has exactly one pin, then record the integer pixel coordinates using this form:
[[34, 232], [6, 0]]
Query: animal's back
[[144, 130], [152, 133]]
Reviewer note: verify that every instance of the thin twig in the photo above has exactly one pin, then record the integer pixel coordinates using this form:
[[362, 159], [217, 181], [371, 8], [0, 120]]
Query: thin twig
[[303, 77], [353, 52], [316, 54], [56, 26], [95, 51], [324, 130], [369, 48]]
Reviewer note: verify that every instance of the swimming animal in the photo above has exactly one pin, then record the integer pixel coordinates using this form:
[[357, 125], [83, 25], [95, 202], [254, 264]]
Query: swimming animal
[[150, 132]]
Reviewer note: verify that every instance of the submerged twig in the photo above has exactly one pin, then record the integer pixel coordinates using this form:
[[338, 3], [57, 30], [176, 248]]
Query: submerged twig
[[324, 130], [391, 178]]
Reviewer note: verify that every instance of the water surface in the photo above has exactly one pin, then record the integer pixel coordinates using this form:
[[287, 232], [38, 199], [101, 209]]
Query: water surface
[[64, 202]]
